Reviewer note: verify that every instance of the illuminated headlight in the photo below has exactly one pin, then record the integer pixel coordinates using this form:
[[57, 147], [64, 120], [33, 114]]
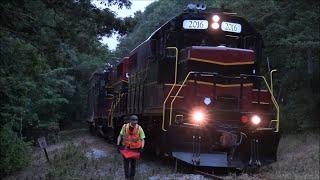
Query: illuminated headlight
[[198, 116], [215, 18], [255, 119], [215, 25]]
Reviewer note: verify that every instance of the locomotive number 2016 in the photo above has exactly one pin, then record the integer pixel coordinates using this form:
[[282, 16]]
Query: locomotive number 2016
[[231, 27], [195, 24]]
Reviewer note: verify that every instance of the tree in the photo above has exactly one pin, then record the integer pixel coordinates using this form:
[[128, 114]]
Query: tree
[[48, 51]]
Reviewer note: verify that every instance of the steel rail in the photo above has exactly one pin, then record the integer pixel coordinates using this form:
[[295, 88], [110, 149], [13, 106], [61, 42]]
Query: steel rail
[[212, 176]]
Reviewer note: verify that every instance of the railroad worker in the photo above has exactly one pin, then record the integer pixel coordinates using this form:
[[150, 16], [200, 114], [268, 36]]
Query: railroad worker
[[132, 136]]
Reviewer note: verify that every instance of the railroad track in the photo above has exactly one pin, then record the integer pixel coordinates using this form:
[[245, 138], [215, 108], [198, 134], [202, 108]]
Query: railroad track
[[212, 176], [198, 171]]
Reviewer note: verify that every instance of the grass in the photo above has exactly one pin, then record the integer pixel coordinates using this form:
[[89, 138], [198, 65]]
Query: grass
[[298, 158], [71, 162]]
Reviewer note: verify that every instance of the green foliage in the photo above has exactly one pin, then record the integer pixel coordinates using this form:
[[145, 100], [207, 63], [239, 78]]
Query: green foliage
[[291, 36], [15, 153], [68, 162], [48, 51]]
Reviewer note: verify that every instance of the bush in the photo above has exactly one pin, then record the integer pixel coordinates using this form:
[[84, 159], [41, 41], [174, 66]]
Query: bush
[[15, 153], [75, 162], [69, 163]]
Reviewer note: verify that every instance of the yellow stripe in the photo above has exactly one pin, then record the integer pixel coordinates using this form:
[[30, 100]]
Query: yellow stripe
[[256, 102], [177, 97], [262, 90], [222, 85], [262, 129], [221, 63], [173, 84]]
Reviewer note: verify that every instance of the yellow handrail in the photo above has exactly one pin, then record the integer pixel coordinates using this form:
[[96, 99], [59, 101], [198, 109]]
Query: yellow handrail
[[174, 98], [176, 65], [271, 93], [271, 79], [113, 106], [175, 82], [274, 103]]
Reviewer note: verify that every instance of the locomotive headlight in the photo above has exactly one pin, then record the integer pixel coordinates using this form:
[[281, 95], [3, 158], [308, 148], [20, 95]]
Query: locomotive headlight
[[198, 116], [215, 18], [255, 119], [215, 25]]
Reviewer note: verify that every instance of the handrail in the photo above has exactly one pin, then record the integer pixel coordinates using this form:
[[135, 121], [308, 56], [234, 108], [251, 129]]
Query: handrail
[[174, 98], [271, 79], [176, 65], [262, 77], [110, 115], [173, 86], [113, 106], [274, 101]]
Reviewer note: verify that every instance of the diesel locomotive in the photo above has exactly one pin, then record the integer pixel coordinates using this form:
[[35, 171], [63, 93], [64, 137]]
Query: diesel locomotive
[[196, 86]]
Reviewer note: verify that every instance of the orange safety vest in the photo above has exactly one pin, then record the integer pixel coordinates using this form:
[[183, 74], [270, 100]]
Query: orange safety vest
[[131, 139]]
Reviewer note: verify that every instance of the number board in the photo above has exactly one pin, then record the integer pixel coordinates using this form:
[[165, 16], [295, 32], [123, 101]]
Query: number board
[[42, 142], [231, 27], [195, 24]]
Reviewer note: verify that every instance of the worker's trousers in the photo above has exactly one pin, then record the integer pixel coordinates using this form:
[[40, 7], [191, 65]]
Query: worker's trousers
[[129, 168]]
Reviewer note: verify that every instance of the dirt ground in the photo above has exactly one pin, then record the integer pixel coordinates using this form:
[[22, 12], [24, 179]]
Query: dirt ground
[[110, 162], [298, 159]]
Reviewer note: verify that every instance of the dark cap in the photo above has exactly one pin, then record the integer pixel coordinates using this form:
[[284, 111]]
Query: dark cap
[[133, 118]]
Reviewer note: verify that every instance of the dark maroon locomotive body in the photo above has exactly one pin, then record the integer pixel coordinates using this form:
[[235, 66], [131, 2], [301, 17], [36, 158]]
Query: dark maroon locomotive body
[[196, 86]]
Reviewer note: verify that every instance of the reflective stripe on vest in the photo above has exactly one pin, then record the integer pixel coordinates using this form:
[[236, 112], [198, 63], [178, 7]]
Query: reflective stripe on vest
[[131, 139]]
